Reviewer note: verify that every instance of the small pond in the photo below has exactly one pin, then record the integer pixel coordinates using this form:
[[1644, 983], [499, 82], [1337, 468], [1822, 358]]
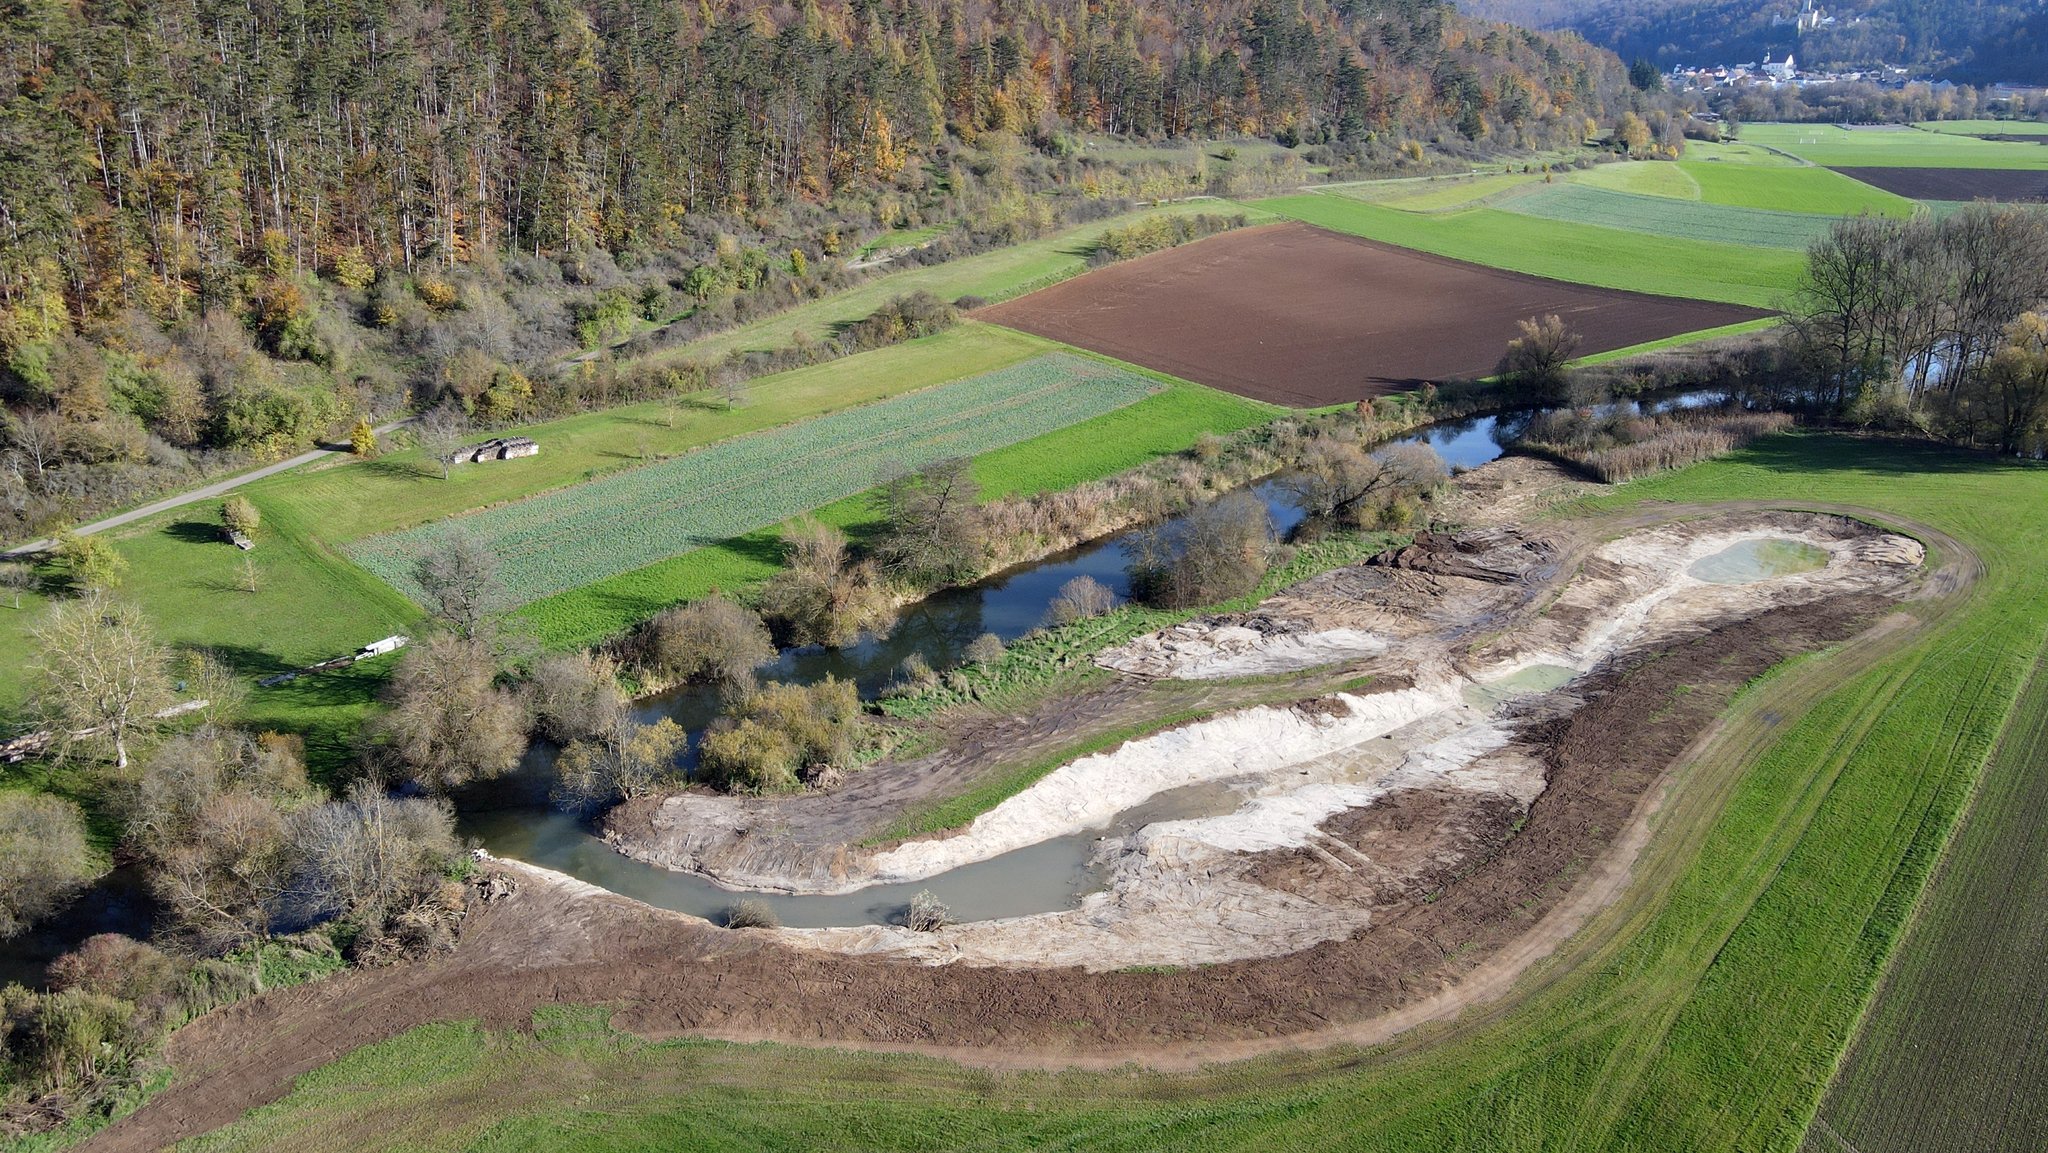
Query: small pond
[[1747, 561]]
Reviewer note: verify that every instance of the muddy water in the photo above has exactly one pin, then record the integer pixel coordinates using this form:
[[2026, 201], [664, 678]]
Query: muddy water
[[1522, 682], [513, 820], [1745, 562], [1052, 874]]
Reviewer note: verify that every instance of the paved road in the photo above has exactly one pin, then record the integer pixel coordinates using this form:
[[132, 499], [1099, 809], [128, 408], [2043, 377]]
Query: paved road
[[207, 492]]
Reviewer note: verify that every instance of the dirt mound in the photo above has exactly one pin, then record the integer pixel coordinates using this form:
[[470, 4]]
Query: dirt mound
[[1465, 555]]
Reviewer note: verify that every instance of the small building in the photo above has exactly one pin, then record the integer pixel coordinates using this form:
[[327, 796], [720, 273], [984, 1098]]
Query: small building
[[389, 644]]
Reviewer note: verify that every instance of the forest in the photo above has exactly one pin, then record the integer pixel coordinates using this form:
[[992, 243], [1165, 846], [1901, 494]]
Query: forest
[[232, 229]]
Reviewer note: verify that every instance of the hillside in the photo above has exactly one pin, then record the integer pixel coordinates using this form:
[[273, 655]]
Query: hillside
[[234, 227], [1975, 40]]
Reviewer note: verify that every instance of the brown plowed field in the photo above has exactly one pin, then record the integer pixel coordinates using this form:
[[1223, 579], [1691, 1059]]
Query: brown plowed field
[[1955, 183], [1299, 316]]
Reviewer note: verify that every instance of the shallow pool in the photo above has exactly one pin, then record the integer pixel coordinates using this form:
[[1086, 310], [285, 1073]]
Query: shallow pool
[[1527, 680], [1756, 560]]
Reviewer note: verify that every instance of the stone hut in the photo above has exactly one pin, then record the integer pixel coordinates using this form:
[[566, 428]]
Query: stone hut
[[499, 448]]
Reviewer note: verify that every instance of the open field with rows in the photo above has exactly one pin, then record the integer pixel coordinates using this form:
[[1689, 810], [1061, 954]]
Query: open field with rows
[[1303, 316], [1957, 184], [1559, 250], [1681, 219], [579, 535], [1951, 1056], [1754, 180], [1834, 146], [1705, 1010]]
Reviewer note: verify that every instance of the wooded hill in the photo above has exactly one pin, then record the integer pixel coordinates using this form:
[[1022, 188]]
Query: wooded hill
[[311, 172]]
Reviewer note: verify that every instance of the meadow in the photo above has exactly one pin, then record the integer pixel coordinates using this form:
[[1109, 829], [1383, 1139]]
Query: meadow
[[1838, 147], [1436, 194], [1679, 219], [582, 534], [1706, 1009], [1561, 250], [1814, 190]]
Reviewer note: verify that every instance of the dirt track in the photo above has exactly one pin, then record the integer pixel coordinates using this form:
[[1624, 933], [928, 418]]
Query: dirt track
[[1300, 316], [557, 941], [1955, 183]]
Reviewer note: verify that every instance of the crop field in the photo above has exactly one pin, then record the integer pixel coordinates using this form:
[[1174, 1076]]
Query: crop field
[[1951, 1055], [1683, 219], [1957, 184], [579, 535], [1836, 147], [1560, 250], [1298, 315], [1705, 1010], [1165, 422]]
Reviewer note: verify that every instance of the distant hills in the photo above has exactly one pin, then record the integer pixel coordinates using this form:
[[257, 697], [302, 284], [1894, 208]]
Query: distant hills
[[1975, 41]]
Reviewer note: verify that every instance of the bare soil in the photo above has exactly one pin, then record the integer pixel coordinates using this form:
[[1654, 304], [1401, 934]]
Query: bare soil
[[1298, 315], [557, 941], [1955, 183]]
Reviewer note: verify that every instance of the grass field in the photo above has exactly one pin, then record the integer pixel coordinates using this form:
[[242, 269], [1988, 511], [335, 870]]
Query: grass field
[[1436, 195], [1705, 1010], [1815, 190], [586, 533], [1986, 127], [1679, 219], [996, 275], [1838, 147], [1582, 253], [1950, 1057], [1640, 177]]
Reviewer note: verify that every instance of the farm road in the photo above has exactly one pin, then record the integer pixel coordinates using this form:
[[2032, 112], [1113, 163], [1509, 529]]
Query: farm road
[[192, 496]]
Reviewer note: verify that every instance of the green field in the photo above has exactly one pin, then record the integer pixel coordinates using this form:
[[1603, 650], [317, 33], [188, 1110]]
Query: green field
[[1680, 219], [1816, 190], [586, 533], [1838, 147], [1437, 194], [1705, 1010], [1582, 253], [997, 275], [1641, 177], [1951, 1056], [1986, 127]]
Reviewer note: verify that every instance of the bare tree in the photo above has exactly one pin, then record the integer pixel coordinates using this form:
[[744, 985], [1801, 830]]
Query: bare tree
[[1217, 551], [1535, 360], [98, 677], [441, 431], [449, 722], [576, 695], [40, 438], [43, 857], [458, 579], [17, 577], [824, 596], [1337, 479], [934, 530], [368, 853]]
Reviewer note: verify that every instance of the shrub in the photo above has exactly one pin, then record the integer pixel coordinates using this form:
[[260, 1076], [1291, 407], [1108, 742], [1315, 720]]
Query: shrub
[[576, 695], [1079, 599], [985, 650], [43, 857], [751, 914], [822, 595], [773, 735], [1535, 360], [712, 639], [238, 514], [926, 914]]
